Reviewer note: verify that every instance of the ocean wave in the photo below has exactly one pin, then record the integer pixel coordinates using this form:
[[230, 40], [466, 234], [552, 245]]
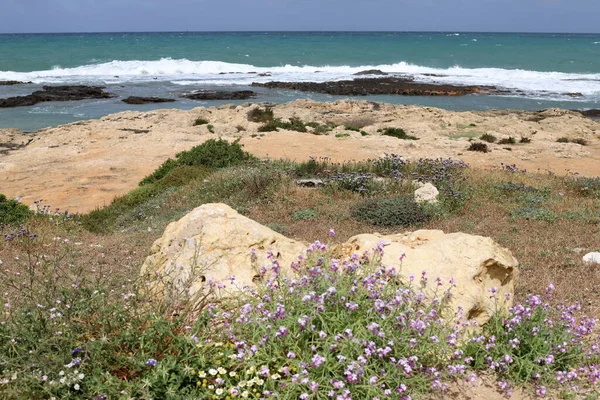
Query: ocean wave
[[190, 73]]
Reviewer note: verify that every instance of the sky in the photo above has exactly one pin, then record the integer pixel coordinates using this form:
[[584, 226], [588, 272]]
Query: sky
[[34, 16]]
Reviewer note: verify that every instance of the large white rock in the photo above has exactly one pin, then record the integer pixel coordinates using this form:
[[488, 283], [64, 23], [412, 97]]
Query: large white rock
[[477, 264], [592, 258], [426, 193], [212, 243]]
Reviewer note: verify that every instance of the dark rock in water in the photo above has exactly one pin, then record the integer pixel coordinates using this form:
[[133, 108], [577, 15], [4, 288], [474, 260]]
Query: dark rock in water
[[379, 86], [265, 74], [56, 93], [371, 72], [10, 83], [576, 94], [595, 113], [146, 100], [220, 95]]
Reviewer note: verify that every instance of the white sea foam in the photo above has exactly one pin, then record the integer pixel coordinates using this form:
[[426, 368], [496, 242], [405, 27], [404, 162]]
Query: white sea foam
[[185, 72]]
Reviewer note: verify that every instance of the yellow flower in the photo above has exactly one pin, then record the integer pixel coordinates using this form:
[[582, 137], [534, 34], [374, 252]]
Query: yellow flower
[[193, 372], [219, 391], [213, 371], [245, 394], [222, 370], [201, 374], [232, 374], [259, 382], [232, 357], [275, 376], [242, 384], [211, 387]]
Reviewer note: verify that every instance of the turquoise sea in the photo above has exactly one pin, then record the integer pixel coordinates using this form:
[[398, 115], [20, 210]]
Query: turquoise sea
[[539, 69]]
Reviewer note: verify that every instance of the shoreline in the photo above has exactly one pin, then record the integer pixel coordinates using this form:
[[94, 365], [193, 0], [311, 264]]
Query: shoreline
[[85, 164]]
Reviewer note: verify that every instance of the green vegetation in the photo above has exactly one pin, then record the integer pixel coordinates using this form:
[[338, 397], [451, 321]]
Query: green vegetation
[[200, 121], [352, 128], [210, 128], [402, 212], [342, 135], [397, 133], [478, 146], [12, 212], [508, 140], [525, 140], [579, 141], [260, 115], [80, 316], [486, 137]]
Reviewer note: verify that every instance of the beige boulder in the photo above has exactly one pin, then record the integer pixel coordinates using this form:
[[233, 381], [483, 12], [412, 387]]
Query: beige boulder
[[212, 243], [475, 263], [426, 193]]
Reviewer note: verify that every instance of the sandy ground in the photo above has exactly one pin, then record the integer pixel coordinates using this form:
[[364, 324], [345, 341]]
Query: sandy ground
[[86, 164]]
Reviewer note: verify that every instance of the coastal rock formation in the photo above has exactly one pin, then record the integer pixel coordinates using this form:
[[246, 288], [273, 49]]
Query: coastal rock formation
[[371, 72], [214, 242], [377, 86], [10, 83], [96, 160], [146, 100], [56, 93], [220, 95], [478, 266]]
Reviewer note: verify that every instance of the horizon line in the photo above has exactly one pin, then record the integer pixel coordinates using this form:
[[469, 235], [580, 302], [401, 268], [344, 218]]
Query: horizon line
[[299, 31]]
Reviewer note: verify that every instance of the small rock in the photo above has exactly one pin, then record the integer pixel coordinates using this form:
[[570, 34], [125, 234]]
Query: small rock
[[310, 182], [427, 193], [592, 258]]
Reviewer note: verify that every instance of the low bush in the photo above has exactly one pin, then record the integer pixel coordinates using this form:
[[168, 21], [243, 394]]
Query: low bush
[[508, 140], [478, 146], [260, 115], [584, 186], [210, 128], [397, 133], [352, 128], [200, 121], [580, 141], [12, 212], [304, 215], [525, 140], [562, 140], [486, 137], [342, 135], [402, 211]]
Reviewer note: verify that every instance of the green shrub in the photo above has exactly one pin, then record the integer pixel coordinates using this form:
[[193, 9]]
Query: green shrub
[[525, 140], [214, 153], [210, 128], [562, 140], [304, 215], [509, 140], [200, 121], [260, 115], [320, 129], [12, 212], [342, 135], [397, 133], [160, 172], [401, 211], [478, 146], [270, 126], [352, 128], [486, 137], [184, 174], [363, 133]]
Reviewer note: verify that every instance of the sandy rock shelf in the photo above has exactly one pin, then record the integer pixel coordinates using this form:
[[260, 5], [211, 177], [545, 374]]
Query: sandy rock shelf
[[84, 165]]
